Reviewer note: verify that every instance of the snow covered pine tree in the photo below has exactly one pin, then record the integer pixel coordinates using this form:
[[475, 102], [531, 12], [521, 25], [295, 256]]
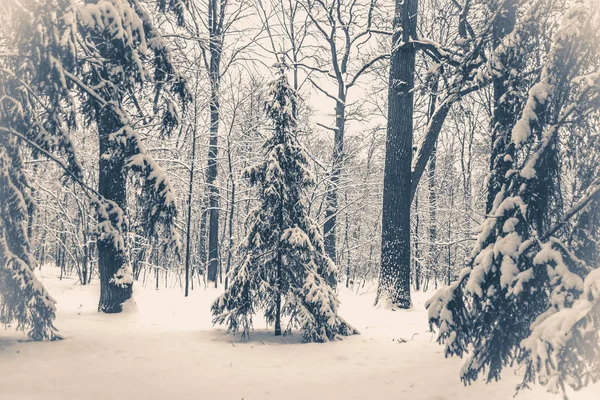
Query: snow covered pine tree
[[55, 50], [31, 116], [284, 269], [22, 296], [529, 293], [120, 32]]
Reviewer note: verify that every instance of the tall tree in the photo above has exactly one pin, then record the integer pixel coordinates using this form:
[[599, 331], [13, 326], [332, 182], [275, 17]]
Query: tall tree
[[284, 268], [188, 233], [459, 71], [394, 279], [216, 24]]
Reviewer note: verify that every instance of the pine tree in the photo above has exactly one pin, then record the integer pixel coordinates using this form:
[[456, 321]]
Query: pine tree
[[525, 296], [121, 34], [22, 297], [505, 105], [284, 269], [62, 60], [28, 118]]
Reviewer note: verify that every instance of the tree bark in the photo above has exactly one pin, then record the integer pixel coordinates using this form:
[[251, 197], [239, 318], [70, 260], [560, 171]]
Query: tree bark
[[189, 206], [112, 185], [394, 279], [215, 51]]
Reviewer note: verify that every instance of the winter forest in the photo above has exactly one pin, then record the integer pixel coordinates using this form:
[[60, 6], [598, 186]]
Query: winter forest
[[300, 199]]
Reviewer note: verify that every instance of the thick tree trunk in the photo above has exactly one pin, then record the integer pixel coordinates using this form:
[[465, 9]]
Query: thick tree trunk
[[215, 49], [112, 185], [394, 279], [329, 227]]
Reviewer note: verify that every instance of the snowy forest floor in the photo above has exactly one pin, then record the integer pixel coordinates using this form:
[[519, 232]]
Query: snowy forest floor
[[168, 349]]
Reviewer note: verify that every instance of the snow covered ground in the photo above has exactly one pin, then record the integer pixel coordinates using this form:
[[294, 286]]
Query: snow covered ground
[[168, 349]]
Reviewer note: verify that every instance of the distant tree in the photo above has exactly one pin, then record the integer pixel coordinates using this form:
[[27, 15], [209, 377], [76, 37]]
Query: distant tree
[[284, 269], [211, 27], [216, 29], [342, 30]]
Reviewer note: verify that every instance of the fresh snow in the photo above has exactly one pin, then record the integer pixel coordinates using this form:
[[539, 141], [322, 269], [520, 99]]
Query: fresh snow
[[165, 347]]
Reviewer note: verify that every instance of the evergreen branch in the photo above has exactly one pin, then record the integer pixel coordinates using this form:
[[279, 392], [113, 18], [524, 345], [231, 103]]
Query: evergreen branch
[[50, 156]]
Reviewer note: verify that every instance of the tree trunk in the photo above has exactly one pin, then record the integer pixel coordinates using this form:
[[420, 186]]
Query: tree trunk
[[503, 114], [278, 314], [215, 49], [84, 263], [432, 189], [347, 242], [449, 266], [42, 257], [91, 252], [189, 208], [329, 227], [417, 251], [202, 255], [433, 250], [231, 215], [394, 279], [112, 185]]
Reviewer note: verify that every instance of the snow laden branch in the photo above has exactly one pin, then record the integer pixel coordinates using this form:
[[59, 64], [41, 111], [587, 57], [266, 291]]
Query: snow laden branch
[[23, 299], [525, 297]]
